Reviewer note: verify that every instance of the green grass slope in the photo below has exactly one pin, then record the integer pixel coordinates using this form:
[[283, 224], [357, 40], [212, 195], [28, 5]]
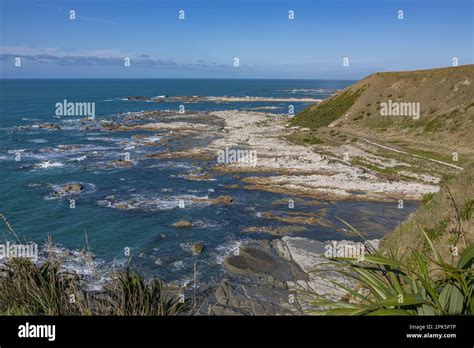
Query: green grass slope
[[445, 96]]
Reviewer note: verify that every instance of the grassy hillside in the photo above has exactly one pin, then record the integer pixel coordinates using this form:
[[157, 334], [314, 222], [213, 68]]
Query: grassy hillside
[[444, 131], [328, 111], [447, 217], [445, 96]]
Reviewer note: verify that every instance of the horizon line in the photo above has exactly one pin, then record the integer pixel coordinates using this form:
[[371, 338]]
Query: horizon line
[[173, 78]]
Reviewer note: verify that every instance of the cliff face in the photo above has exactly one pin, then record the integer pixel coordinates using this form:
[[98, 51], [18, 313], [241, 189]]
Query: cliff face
[[427, 105]]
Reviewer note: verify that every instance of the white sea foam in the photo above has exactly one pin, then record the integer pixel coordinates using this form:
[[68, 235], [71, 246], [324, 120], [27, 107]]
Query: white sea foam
[[171, 164], [77, 148], [78, 159], [226, 249], [206, 224], [38, 141], [152, 203], [177, 266], [311, 91], [106, 139], [15, 151], [186, 246], [49, 164], [94, 272], [152, 139]]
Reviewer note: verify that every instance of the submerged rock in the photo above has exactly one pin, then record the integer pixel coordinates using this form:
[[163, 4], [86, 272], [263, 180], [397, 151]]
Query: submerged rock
[[137, 97], [121, 206], [222, 200], [199, 177], [183, 224], [213, 201], [111, 126], [71, 188], [120, 164], [197, 248], [51, 126]]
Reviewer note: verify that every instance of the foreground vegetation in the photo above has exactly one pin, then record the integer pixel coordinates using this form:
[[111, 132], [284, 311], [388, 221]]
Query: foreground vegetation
[[390, 286], [447, 217], [29, 289]]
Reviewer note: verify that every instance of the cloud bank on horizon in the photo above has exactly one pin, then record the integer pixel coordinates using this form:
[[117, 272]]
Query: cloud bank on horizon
[[340, 39]]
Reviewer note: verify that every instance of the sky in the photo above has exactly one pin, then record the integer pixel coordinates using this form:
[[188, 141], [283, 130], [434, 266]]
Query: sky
[[213, 33]]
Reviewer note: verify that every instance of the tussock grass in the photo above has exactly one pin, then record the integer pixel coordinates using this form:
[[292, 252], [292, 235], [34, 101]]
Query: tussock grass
[[446, 216], [129, 294], [30, 289]]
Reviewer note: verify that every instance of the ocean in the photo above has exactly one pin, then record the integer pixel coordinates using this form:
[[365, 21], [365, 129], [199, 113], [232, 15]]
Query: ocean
[[35, 162]]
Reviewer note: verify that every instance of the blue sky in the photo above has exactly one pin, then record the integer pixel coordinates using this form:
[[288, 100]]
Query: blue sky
[[214, 32]]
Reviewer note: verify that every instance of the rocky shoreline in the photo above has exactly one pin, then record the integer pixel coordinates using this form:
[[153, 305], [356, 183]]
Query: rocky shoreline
[[289, 168], [218, 99], [294, 169], [276, 278]]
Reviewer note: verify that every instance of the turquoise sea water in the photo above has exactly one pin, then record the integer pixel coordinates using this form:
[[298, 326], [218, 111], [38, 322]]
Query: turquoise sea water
[[26, 185]]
